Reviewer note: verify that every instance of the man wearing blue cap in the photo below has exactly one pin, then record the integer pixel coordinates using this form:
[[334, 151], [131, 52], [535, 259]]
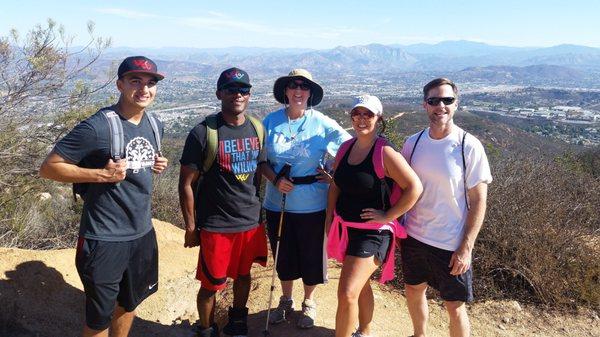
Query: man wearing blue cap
[[109, 158], [219, 201]]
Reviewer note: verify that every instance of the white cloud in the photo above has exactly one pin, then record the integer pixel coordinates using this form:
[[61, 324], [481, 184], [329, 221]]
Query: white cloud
[[125, 13], [220, 22], [217, 14]]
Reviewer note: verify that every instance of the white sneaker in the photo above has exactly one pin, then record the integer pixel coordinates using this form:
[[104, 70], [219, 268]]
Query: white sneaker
[[309, 313]]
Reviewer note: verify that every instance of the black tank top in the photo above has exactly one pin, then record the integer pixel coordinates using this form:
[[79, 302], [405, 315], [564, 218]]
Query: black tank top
[[359, 187]]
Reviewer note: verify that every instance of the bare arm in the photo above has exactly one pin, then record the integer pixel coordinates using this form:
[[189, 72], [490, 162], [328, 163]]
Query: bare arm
[[332, 196], [398, 169], [461, 259], [57, 168], [188, 177], [266, 171]]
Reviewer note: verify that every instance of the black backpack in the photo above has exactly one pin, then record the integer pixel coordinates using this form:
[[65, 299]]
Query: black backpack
[[117, 142]]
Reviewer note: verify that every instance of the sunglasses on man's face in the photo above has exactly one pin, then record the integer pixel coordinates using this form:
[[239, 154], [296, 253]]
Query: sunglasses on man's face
[[436, 100], [300, 84], [237, 90]]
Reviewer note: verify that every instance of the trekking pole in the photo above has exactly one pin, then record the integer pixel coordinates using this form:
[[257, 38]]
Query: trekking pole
[[285, 170]]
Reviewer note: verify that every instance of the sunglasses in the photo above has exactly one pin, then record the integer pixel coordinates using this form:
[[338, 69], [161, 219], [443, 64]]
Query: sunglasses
[[361, 115], [295, 85], [237, 90], [436, 100]]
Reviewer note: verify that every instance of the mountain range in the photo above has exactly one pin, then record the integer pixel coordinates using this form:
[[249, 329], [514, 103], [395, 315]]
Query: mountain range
[[579, 65]]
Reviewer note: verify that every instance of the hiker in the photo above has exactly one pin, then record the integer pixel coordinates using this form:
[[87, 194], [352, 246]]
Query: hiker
[[444, 223], [225, 219], [373, 186], [300, 136], [117, 253]]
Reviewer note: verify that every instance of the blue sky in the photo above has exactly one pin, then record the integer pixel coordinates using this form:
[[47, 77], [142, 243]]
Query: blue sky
[[314, 24]]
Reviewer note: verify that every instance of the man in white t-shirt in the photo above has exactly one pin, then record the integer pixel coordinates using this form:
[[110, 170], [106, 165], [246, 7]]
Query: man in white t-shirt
[[444, 223]]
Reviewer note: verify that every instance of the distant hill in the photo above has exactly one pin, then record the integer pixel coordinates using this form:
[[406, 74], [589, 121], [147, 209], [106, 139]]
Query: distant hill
[[531, 97], [507, 135], [542, 74], [566, 65], [459, 48]]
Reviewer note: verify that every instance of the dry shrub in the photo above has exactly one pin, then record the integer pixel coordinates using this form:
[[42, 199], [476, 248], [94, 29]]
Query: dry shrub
[[536, 241], [42, 224], [541, 238], [165, 196]]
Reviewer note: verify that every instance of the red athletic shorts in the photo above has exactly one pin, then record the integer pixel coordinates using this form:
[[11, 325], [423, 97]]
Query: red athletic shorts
[[224, 255]]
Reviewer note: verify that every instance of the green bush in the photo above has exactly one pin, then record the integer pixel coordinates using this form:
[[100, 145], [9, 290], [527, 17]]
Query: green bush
[[41, 97]]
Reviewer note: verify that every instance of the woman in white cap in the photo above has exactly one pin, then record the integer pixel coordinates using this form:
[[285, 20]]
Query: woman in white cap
[[299, 136], [373, 186]]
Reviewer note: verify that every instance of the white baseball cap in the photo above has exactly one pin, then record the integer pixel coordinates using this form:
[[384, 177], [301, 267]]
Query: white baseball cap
[[369, 102]]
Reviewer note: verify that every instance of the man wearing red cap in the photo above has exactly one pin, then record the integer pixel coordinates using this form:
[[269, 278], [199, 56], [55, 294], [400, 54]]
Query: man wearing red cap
[[117, 253]]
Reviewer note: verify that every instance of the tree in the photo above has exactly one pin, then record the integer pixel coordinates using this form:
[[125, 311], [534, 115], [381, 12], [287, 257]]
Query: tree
[[43, 92]]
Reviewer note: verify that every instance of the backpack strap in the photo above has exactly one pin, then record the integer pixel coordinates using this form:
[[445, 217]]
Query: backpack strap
[[462, 150], [116, 137], [380, 142], [212, 140], [260, 133], [414, 147], [155, 131], [259, 128], [342, 150], [116, 141], [378, 157]]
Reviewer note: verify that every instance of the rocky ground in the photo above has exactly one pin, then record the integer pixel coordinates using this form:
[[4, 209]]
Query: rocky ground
[[41, 295]]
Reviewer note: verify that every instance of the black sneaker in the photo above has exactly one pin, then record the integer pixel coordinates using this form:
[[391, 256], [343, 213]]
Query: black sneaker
[[212, 331], [237, 325]]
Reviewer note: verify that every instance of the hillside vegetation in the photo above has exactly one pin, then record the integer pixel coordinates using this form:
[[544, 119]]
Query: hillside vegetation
[[539, 242], [541, 237]]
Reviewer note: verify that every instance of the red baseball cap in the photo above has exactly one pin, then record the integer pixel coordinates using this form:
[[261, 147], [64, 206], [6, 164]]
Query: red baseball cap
[[139, 64]]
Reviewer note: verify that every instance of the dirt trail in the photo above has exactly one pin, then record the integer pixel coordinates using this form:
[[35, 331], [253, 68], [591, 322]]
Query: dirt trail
[[41, 295]]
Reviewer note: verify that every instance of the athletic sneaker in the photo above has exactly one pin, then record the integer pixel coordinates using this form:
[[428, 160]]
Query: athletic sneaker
[[213, 331], [238, 322], [359, 334], [309, 313], [283, 310]]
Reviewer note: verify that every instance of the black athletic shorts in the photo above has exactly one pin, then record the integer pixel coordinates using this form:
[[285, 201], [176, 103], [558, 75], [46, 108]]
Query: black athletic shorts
[[369, 242], [124, 272], [424, 263], [301, 253]]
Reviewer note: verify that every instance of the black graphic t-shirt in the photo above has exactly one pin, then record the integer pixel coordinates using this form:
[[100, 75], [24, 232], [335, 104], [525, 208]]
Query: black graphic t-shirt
[[114, 212], [226, 200]]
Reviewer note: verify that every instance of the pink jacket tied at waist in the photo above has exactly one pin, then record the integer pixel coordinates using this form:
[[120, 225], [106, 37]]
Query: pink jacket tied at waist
[[337, 242]]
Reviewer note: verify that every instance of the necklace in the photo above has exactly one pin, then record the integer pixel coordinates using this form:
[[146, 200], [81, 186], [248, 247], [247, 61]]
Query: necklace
[[292, 134]]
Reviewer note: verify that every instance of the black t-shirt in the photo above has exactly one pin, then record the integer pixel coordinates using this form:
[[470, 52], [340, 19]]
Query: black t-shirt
[[226, 200], [114, 212], [359, 187]]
